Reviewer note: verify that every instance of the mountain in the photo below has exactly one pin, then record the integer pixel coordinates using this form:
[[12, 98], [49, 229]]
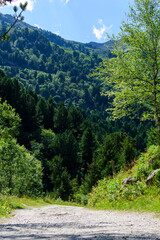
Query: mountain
[[51, 65], [101, 46], [100, 49]]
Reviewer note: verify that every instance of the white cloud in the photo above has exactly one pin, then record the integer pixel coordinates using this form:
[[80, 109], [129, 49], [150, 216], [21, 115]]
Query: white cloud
[[57, 32], [30, 4], [99, 32], [36, 25]]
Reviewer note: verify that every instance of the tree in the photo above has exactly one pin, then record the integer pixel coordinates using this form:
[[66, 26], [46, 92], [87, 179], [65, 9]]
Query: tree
[[20, 172], [88, 146], [67, 147], [133, 72], [61, 118], [17, 16], [9, 121], [60, 178]]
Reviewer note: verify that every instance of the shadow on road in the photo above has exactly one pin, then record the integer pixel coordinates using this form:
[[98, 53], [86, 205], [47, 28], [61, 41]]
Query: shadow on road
[[34, 231]]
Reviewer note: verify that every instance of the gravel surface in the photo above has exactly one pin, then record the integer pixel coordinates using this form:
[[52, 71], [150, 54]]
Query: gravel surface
[[66, 222]]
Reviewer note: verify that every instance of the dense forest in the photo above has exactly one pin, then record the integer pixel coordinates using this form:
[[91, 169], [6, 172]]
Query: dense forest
[[72, 147], [49, 69], [56, 134]]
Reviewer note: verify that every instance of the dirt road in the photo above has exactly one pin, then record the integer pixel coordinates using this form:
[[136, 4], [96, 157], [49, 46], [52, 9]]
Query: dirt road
[[65, 222]]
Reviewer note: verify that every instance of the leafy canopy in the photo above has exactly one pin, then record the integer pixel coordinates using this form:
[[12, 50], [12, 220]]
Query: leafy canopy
[[133, 72], [9, 121]]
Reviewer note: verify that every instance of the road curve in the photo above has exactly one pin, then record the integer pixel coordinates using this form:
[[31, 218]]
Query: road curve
[[67, 222]]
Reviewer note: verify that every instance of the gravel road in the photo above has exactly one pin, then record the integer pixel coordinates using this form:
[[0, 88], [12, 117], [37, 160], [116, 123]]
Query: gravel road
[[66, 222]]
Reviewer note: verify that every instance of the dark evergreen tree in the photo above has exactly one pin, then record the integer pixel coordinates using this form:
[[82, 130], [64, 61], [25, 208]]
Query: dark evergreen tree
[[88, 146], [61, 121]]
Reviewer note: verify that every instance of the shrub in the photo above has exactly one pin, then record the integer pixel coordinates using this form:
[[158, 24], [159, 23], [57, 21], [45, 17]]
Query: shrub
[[147, 162], [20, 172]]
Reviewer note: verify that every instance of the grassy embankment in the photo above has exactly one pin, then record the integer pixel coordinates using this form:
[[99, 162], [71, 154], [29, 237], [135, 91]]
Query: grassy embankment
[[136, 196]]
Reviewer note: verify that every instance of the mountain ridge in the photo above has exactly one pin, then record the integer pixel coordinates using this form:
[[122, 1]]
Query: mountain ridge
[[56, 68], [100, 48]]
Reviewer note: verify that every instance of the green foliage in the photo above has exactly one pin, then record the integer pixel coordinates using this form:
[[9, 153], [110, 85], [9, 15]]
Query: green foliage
[[157, 179], [60, 179], [153, 137], [147, 162], [133, 71], [9, 121], [64, 138], [80, 198], [61, 120], [51, 70], [67, 147], [71, 134], [117, 151], [5, 206], [88, 146], [106, 189], [20, 172], [111, 193]]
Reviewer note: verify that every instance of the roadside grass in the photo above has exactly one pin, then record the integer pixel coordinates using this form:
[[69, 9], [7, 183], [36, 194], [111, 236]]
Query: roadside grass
[[150, 202], [10, 203], [112, 194]]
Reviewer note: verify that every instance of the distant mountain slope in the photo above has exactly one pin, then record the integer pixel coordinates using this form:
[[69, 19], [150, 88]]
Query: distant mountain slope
[[102, 46], [92, 47], [51, 69]]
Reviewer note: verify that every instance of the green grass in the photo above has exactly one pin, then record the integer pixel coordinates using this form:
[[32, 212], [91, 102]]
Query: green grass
[[147, 203], [111, 194], [150, 202], [9, 203]]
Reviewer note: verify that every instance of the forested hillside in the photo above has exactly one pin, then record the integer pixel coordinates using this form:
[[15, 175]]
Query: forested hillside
[[92, 47], [49, 69], [59, 117], [72, 147]]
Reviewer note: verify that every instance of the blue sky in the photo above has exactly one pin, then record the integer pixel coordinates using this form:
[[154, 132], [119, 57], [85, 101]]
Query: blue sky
[[78, 20]]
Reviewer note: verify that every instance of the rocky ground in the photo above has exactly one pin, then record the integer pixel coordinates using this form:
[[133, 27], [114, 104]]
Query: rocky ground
[[66, 222]]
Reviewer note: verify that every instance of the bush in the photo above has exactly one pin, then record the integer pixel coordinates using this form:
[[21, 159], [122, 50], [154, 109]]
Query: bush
[[20, 172], [147, 162]]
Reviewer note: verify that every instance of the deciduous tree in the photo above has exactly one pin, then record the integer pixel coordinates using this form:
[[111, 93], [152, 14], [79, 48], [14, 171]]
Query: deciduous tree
[[133, 72]]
